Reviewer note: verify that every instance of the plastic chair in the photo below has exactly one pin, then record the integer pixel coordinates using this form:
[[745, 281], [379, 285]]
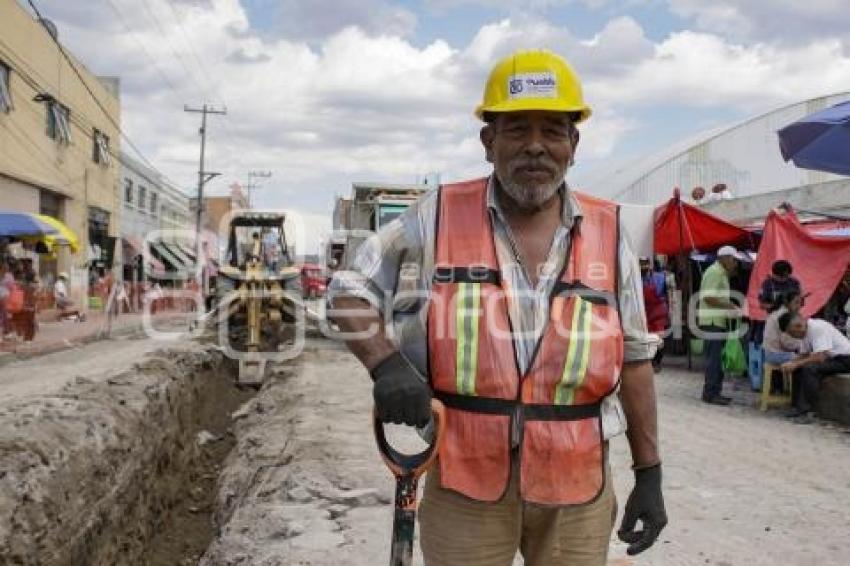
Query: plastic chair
[[768, 399]]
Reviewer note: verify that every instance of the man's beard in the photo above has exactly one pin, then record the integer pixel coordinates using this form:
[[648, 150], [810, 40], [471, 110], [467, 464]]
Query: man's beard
[[534, 195]]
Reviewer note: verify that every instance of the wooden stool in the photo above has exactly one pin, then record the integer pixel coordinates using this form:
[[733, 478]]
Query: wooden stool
[[767, 399]]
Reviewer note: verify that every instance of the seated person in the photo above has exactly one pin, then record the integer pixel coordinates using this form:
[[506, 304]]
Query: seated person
[[778, 346], [828, 353], [255, 252], [62, 298]]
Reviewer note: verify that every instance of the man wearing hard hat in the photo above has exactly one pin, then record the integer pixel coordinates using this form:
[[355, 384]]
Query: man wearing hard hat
[[517, 302]]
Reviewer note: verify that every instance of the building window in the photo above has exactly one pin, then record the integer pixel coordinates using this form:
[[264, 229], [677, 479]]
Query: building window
[[153, 203], [128, 191], [58, 121], [100, 147], [143, 195], [5, 88]]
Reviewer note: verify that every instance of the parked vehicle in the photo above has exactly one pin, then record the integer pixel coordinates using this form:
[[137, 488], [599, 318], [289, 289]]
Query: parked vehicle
[[370, 208], [314, 281]]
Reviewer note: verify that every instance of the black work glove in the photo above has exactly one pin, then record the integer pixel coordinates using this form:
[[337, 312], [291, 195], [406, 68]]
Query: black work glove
[[401, 393], [647, 504]]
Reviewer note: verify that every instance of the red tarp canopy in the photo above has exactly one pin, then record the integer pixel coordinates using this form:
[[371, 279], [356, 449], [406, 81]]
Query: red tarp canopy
[[682, 227], [819, 262]]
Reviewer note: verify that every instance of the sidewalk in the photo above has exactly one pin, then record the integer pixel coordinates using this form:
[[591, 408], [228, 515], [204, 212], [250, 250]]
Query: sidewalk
[[53, 336]]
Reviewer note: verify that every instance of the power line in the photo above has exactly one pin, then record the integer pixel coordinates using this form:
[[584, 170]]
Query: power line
[[78, 118], [151, 58], [88, 88], [48, 159], [234, 146], [165, 38], [192, 50]]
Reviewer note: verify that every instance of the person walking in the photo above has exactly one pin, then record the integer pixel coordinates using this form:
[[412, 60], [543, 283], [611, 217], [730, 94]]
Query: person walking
[[715, 311], [517, 302]]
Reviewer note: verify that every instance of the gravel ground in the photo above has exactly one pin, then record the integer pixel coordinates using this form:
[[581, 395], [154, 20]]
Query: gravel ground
[[305, 485]]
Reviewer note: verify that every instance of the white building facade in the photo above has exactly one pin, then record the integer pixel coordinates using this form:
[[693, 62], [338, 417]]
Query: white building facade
[[151, 207]]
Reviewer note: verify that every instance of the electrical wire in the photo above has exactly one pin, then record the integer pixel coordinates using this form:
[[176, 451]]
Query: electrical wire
[[175, 52], [144, 49], [211, 86], [88, 88], [231, 139]]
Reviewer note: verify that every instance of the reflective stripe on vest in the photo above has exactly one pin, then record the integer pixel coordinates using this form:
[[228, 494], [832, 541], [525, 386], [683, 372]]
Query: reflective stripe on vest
[[468, 313], [578, 353], [473, 365]]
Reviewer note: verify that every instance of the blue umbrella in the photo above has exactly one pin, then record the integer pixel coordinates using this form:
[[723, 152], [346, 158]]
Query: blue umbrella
[[820, 141], [18, 224]]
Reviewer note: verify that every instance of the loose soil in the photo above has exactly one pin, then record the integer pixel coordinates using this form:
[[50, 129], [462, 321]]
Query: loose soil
[[188, 529]]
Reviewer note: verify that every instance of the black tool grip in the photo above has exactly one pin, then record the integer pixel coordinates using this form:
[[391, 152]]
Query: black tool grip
[[411, 464]]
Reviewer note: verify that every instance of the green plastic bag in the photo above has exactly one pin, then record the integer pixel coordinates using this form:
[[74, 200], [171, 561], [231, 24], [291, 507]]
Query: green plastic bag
[[733, 357]]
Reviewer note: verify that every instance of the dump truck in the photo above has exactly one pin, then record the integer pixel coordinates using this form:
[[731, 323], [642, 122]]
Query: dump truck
[[257, 293], [370, 207]]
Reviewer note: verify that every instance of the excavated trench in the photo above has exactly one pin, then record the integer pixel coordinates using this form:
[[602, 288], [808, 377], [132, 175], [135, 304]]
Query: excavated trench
[[119, 471]]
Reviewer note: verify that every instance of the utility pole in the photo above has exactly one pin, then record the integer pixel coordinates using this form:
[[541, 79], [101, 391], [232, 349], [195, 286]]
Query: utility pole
[[252, 185], [203, 176]]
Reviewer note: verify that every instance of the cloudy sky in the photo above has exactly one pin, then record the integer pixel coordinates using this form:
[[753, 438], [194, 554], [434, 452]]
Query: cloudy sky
[[326, 92]]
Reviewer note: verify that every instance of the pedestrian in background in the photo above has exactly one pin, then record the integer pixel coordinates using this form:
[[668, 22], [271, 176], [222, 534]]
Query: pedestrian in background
[[62, 298], [778, 285], [654, 301], [715, 311], [4, 295]]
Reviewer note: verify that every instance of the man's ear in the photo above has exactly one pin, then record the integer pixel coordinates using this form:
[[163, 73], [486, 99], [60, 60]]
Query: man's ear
[[575, 136], [487, 136]]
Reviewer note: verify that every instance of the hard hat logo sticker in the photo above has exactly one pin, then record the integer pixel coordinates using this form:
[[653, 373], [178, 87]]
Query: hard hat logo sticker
[[532, 85]]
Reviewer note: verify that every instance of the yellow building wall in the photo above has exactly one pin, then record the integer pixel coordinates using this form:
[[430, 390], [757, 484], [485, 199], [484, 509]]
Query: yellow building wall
[[28, 157]]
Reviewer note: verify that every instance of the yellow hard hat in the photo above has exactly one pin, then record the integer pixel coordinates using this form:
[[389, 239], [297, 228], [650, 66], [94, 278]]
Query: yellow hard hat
[[533, 80]]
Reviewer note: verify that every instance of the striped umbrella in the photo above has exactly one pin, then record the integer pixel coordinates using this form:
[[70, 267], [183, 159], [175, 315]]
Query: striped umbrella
[[22, 224]]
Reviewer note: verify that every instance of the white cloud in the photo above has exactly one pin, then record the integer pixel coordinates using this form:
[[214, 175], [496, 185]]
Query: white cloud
[[768, 20], [360, 105], [318, 19], [700, 70]]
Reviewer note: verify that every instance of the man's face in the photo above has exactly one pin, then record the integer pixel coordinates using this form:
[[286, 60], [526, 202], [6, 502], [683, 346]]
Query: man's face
[[531, 152], [797, 328], [728, 262]]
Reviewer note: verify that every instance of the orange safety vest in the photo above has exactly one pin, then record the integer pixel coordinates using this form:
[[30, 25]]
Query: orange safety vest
[[473, 367]]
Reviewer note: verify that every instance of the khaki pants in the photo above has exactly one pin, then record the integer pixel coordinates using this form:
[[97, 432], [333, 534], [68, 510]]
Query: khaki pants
[[458, 531]]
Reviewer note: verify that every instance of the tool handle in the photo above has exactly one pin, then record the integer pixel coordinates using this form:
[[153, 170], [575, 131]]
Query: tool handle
[[411, 465], [404, 524]]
